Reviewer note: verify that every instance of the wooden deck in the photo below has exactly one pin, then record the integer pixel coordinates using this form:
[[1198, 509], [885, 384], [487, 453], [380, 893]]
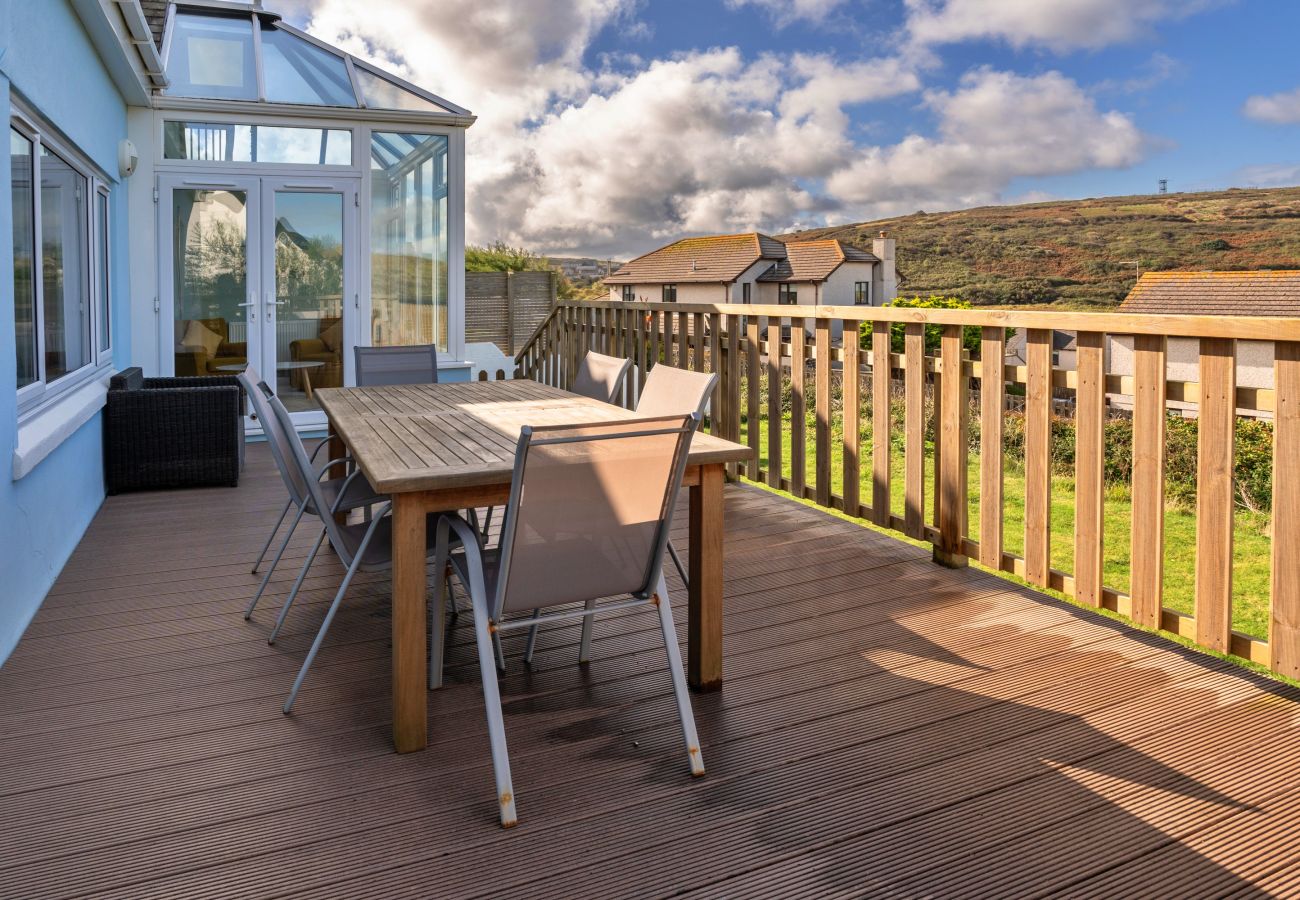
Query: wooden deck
[[887, 726]]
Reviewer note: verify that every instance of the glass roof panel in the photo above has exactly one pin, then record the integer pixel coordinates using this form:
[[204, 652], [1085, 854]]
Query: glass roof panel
[[297, 71], [212, 56], [380, 93]]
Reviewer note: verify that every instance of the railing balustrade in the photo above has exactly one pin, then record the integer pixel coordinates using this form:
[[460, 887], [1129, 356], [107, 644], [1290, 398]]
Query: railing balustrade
[[754, 348]]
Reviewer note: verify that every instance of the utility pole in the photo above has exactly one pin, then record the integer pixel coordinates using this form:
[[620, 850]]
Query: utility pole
[[1164, 185]]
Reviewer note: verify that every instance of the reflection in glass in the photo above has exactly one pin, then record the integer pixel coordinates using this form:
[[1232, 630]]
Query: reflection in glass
[[64, 267], [231, 142], [24, 231], [380, 93], [408, 234], [210, 281], [297, 71], [211, 56], [308, 295], [101, 268]]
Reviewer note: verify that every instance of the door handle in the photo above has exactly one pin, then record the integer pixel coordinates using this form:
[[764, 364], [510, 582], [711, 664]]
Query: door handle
[[251, 305]]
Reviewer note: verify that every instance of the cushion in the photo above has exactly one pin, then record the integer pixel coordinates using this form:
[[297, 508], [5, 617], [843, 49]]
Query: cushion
[[199, 336], [332, 337]]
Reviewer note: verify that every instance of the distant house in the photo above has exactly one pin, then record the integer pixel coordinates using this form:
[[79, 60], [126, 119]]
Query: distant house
[[1265, 293], [755, 268]]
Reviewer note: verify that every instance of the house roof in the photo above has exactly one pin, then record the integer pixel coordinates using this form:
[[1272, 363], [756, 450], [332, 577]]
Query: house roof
[[814, 261], [715, 258], [1260, 293], [724, 258]]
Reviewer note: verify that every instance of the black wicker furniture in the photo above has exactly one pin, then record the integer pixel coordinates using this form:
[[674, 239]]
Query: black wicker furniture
[[172, 432]]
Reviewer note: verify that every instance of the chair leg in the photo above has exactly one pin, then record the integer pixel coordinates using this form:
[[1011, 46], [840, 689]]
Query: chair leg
[[252, 604], [677, 561], [320, 635], [500, 654], [584, 648], [270, 537], [438, 618], [532, 639], [297, 585], [679, 679], [492, 704]]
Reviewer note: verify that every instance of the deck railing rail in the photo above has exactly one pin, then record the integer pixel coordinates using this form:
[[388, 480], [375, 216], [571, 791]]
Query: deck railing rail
[[750, 346]]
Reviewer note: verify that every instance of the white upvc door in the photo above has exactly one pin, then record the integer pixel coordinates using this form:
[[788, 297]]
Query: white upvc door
[[209, 274], [310, 316], [261, 271]]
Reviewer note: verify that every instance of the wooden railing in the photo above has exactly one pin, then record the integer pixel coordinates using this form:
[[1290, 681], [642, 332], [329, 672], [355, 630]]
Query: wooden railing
[[756, 347]]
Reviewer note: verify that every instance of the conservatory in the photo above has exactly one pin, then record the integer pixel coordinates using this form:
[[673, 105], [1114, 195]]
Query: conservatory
[[304, 202]]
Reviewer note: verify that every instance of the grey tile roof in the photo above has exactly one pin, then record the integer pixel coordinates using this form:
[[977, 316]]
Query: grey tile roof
[[155, 13]]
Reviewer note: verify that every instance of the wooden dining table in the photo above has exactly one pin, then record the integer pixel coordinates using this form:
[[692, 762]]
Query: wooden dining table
[[447, 447]]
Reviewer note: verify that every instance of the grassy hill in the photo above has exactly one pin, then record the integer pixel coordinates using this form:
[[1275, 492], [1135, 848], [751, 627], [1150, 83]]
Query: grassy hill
[[1081, 253]]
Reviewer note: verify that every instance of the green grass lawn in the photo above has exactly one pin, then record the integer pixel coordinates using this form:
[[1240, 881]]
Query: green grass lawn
[[1251, 545]]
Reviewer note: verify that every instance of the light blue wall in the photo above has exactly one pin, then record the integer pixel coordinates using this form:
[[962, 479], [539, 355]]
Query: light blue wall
[[49, 61]]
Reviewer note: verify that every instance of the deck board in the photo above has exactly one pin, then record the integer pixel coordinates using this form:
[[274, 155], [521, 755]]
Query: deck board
[[886, 726]]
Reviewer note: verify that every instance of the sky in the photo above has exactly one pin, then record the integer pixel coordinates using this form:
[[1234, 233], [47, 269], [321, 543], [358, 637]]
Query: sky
[[611, 127]]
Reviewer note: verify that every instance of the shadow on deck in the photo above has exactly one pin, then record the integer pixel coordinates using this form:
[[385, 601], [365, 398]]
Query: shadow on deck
[[886, 726]]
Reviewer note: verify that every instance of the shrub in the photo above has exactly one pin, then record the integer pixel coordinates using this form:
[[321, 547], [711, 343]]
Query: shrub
[[933, 333]]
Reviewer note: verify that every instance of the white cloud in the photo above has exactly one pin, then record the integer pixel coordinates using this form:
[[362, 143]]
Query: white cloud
[[1276, 109], [784, 12], [614, 156], [996, 127], [1058, 24], [1268, 175]]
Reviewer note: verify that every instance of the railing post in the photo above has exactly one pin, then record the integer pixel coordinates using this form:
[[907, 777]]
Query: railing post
[[1089, 467], [822, 402], [1284, 604], [1215, 501], [881, 505], [753, 413], [914, 430], [850, 391], [798, 407], [1038, 457], [774, 402], [953, 449], [1148, 535], [993, 351]]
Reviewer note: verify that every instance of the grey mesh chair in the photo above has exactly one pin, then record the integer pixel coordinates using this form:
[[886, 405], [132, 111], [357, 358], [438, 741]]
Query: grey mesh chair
[[380, 366], [363, 547], [676, 392], [667, 392], [588, 517], [344, 494], [600, 377]]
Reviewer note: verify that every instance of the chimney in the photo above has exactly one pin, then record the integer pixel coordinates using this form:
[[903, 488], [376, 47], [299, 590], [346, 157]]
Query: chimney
[[885, 288]]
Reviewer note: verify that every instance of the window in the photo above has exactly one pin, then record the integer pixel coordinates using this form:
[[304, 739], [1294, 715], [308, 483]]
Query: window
[[235, 142], [629, 293], [786, 293], [670, 293], [862, 293], [744, 292], [408, 239], [211, 56], [60, 257]]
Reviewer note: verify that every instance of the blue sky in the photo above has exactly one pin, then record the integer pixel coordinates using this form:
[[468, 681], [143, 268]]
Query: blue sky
[[611, 126]]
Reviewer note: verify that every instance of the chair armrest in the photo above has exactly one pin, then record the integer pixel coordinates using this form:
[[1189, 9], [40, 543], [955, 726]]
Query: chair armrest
[[191, 381]]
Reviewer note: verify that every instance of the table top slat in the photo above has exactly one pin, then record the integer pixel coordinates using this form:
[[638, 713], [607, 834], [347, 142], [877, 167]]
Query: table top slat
[[433, 437]]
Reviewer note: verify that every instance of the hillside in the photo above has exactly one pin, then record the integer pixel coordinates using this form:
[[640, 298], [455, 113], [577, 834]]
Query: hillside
[[1082, 252]]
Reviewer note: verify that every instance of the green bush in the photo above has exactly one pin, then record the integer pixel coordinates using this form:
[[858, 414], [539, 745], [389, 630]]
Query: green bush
[[933, 333]]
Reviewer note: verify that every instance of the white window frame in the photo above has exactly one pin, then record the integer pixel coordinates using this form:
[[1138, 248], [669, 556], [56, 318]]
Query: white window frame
[[103, 242], [40, 394], [866, 293]]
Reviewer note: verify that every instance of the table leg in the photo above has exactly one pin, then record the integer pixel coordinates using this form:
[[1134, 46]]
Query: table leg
[[410, 663], [337, 450], [704, 624], [306, 385]]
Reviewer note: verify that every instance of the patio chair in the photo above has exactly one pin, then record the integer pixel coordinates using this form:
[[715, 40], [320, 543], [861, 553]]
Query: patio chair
[[341, 494], [588, 517], [667, 392], [600, 377], [362, 547], [381, 366], [675, 392]]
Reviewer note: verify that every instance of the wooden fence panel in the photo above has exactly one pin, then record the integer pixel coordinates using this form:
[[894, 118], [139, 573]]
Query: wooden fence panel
[[1038, 456], [798, 406], [1215, 498], [993, 345], [774, 428], [914, 431], [851, 423], [1284, 608], [880, 430]]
